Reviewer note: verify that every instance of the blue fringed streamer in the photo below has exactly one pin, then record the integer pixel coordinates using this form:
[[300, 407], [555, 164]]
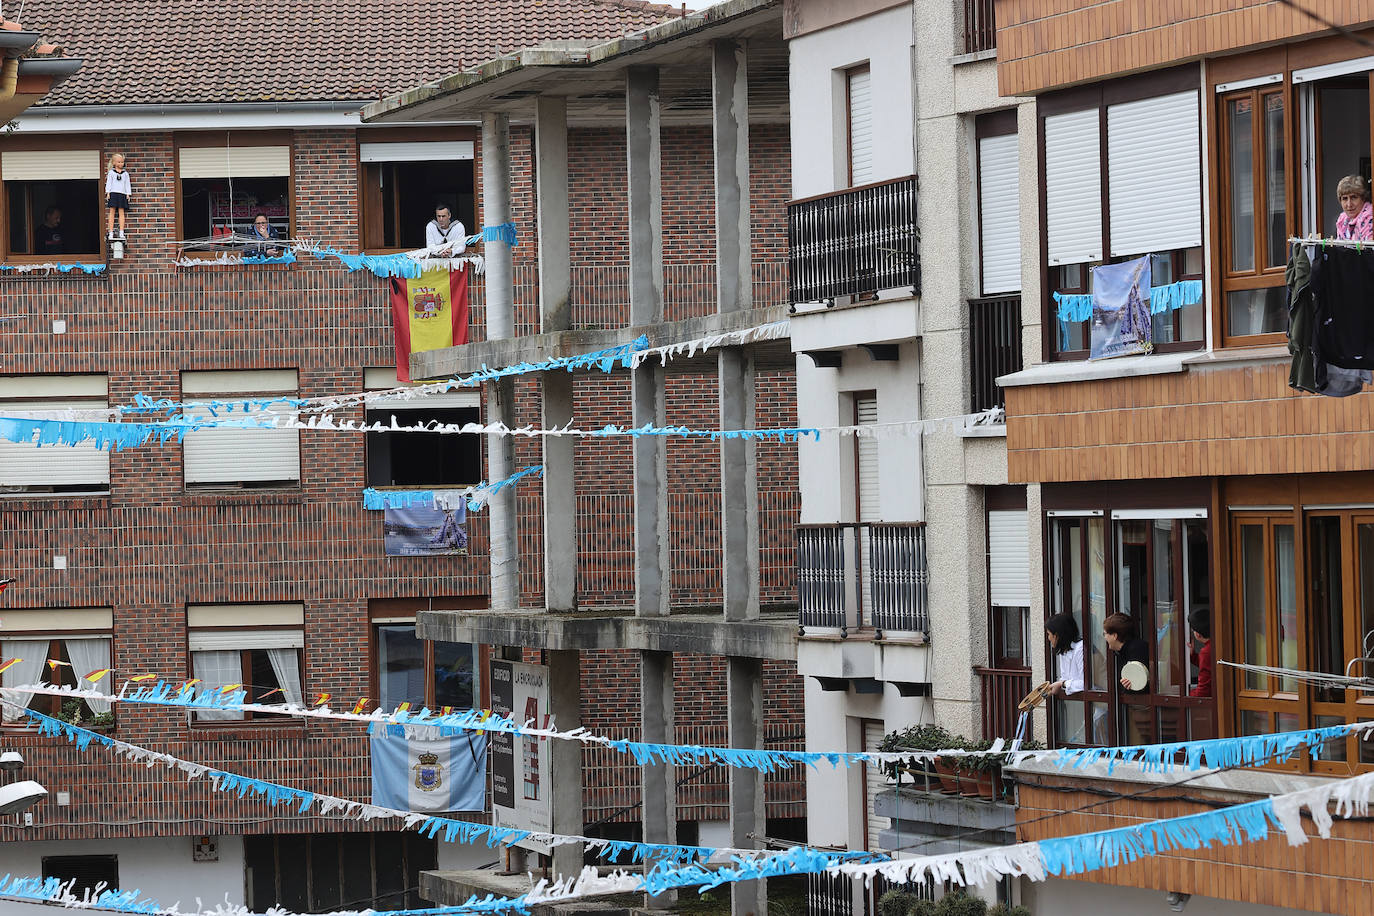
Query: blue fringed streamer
[[1171, 297], [1215, 753], [64, 268], [288, 257], [405, 499], [502, 233]]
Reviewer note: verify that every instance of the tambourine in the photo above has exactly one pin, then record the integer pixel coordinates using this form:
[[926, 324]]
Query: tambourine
[[1034, 698], [1136, 675]]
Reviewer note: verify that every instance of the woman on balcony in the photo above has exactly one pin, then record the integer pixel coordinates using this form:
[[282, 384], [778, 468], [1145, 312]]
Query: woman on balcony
[[1062, 632], [1357, 215]]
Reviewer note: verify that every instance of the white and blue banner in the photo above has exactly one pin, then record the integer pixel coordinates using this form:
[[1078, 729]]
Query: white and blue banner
[[410, 773]]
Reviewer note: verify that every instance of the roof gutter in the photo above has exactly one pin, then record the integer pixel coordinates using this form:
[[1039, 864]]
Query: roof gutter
[[51, 118]]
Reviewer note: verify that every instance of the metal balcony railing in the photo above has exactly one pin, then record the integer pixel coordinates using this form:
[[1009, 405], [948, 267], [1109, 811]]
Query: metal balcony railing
[[980, 26], [1002, 689], [994, 337], [857, 574], [853, 242]]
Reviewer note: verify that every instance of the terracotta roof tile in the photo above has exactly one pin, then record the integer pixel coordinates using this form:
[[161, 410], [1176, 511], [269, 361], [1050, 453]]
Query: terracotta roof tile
[[180, 51]]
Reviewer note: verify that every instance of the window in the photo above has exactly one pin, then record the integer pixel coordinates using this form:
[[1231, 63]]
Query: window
[[86, 873], [58, 646], [999, 207], [256, 646], [1333, 130], [52, 203], [1254, 214], [422, 460], [1140, 142], [1009, 586], [859, 124], [218, 458], [1158, 562], [326, 872], [224, 185], [64, 470], [418, 671], [403, 182]]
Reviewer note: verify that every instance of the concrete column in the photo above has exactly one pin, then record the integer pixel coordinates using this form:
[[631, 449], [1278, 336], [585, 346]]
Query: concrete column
[[744, 685], [555, 282], [565, 757], [659, 780], [500, 309], [739, 508], [730, 133]]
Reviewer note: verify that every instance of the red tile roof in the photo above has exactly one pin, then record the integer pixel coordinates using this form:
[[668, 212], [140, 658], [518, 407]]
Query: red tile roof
[[180, 51]]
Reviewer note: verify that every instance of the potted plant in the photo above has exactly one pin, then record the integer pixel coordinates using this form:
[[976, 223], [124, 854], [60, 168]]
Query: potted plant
[[975, 777], [961, 903], [1006, 909], [916, 738]]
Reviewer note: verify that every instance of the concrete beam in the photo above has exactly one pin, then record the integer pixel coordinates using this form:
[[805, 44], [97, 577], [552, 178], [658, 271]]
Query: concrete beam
[[644, 160], [739, 508], [535, 348], [744, 689], [659, 809], [565, 758]]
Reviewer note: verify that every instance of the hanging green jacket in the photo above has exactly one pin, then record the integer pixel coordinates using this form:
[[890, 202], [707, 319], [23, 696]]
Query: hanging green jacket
[[1298, 276]]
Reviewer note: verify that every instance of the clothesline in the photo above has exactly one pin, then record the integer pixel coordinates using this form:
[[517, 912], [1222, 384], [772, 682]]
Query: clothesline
[[1357, 244]]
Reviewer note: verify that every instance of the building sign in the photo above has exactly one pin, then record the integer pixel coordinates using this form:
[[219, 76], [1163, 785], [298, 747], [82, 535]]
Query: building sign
[[520, 778]]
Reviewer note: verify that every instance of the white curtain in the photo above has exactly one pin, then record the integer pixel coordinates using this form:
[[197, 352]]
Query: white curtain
[[217, 669], [286, 666], [31, 654], [89, 655]]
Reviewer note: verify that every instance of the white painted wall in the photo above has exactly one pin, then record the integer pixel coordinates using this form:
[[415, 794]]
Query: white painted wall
[[159, 867], [818, 62], [1083, 898], [463, 856]]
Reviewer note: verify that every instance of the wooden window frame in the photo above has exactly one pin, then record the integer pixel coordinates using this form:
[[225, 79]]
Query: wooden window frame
[[250, 719], [56, 637], [384, 612], [38, 143], [245, 137]]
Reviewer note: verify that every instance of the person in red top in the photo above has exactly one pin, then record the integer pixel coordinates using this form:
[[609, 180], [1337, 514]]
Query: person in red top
[[1201, 623]]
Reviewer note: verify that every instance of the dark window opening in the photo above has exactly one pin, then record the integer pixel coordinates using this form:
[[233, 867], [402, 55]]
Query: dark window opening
[[422, 672], [423, 459], [77, 232], [320, 873], [400, 199], [86, 873]]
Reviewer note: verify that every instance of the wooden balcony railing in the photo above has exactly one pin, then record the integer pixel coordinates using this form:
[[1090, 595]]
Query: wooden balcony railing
[[855, 574], [1002, 689], [853, 242], [994, 326], [980, 26]]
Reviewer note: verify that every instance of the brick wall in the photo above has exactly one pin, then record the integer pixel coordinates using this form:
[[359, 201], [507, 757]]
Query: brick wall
[[149, 547]]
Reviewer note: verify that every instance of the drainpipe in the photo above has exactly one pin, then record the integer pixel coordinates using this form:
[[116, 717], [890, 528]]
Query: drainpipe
[[9, 78]]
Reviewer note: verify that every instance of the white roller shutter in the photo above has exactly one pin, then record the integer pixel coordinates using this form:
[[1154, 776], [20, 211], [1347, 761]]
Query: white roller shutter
[[23, 465], [860, 127], [232, 640], [1154, 174], [50, 165], [1009, 558], [999, 206], [245, 615], [236, 162], [241, 455], [416, 151], [35, 620], [874, 782], [1073, 187], [870, 507]]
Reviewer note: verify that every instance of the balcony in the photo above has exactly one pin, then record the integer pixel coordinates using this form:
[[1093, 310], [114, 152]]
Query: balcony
[[862, 574], [1002, 689], [994, 348], [853, 243], [980, 26]]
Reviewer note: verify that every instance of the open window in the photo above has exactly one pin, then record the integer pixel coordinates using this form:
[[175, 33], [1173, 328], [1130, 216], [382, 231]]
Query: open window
[[421, 672], [403, 182], [243, 458], [65, 471], [52, 204], [61, 647], [1333, 130], [254, 646], [225, 184], [422, 460]]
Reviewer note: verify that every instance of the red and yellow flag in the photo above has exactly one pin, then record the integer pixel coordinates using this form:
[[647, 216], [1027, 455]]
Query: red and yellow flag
[[428, 313]]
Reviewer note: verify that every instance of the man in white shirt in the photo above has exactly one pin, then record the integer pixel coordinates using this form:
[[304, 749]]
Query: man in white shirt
[[445, 236]]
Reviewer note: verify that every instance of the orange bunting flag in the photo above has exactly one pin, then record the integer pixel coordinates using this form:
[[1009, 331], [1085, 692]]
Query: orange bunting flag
[[321, 700], [189, 684], [447, 710], [404, 707], [9, 664], [269, 693], [358, 706], [143, 677], [53, 663], [229, 688], [96, 676]]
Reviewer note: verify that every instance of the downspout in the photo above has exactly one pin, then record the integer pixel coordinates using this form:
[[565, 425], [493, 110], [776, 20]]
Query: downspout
[[9, 78]]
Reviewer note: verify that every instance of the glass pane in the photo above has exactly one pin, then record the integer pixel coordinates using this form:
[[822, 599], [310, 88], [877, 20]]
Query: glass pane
[[1098, 713], [1276, 203], [1137, 724], [453, 675], [1286, 587], [1239, 117], [1171, 719], [1197, 590], [1366, 743], [1169, 627], [1097, 602], [1254, 722], [1334, 749], [1257, 311], [1288, 721], [1253, 603], [1327, 614], [1365, 540], [400, 666]]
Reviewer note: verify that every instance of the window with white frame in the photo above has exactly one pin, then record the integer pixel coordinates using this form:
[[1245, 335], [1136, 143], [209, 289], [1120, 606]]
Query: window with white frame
[[52, 203], [404, 181], [225, 457], [224, 186], [253, 647], [63, 647], [66, 470], [422, 460]]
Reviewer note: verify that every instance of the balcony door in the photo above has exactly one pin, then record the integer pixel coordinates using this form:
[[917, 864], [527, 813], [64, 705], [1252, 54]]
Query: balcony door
[[867, 505]]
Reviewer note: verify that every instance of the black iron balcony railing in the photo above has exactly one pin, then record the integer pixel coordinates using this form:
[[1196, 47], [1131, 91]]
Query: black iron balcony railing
[[980, 26], [994, 326], [853, 242], [857, 574]]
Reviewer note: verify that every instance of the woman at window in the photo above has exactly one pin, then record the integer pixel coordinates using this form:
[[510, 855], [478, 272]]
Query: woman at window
[[1119, 631], [1062, 632], [1357, 215]]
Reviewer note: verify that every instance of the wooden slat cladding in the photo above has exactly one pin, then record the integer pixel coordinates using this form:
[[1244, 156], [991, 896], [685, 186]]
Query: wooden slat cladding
[[1216, 422], [1046, 44], [1325, 876]]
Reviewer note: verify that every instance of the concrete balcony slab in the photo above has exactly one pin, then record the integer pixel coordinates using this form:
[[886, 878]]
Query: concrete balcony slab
[[884, 321]]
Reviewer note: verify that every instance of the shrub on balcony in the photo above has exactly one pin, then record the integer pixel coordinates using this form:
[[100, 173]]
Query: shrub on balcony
[[1003, 909], [916, 738], [961, 903]]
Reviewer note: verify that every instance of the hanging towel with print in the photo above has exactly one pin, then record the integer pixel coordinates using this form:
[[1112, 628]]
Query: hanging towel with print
[[1121, 309]]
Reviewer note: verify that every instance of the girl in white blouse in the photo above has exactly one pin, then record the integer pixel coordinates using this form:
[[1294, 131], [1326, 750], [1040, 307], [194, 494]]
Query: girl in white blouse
[[1062, 632]]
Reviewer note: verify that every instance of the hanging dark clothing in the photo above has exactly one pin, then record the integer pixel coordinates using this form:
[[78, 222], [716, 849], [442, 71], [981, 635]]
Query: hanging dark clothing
[[1310, 371], [1343, 307]]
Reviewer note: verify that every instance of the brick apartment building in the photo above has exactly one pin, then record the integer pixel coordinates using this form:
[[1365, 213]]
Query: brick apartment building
[[160, 557]]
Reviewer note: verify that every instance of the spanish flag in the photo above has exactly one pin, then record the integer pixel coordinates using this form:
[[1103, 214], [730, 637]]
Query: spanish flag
[[429, 313]]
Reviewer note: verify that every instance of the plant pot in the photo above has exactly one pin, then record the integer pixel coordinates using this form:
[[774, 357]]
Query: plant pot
[[949, 776], [968, 783], [987, 784]]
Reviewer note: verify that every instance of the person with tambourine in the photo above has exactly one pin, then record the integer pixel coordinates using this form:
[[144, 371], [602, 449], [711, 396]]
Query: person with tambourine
[[1132, 669]]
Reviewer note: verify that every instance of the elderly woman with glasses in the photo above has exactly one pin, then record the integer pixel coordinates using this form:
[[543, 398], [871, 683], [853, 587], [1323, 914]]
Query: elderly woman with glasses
[[1357, 215], [263, 230]]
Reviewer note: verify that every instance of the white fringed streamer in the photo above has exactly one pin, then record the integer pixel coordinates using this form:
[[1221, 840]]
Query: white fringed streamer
[[973, 868], [1350, 796], [773, 331]]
